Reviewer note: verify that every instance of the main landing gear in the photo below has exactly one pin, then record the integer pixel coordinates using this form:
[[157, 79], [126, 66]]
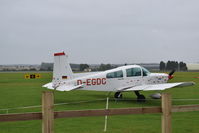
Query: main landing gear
[[118, 95], [140, 97]]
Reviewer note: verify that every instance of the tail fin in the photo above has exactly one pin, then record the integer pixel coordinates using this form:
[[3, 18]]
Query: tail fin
[[61, 69]]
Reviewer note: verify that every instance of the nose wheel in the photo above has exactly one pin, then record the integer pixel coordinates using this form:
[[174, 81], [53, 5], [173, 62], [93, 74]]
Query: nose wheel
[[140, 97], [118, 95]]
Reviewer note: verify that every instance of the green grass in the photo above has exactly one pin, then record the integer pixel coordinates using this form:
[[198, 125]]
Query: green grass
[[15, 91]]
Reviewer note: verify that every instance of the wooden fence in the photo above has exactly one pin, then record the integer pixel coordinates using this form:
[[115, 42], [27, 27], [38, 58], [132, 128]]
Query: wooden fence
[[48, 115]]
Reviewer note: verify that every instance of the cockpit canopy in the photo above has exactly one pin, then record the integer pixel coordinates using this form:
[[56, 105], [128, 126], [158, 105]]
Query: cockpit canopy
[[116, 74], [130, 72]]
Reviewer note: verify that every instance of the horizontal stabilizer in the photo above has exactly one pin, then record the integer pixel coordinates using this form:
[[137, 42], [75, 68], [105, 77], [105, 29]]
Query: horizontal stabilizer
[[63, 87], [48, 85], [159, 86], [68, 88]]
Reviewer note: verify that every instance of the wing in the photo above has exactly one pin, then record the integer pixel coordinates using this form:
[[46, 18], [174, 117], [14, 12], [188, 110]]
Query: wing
[[63, 87], [158, 86]]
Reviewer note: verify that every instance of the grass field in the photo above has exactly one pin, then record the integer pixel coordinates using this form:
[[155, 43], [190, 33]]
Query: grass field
[[15, 91]]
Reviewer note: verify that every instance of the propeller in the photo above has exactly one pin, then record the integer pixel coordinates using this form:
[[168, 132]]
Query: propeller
[[171, 74]]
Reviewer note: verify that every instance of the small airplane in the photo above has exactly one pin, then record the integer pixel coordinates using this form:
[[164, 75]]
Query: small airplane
[[128, 78]]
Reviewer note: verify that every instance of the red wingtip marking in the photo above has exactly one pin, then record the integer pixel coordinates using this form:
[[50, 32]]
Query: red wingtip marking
[[59, 54]]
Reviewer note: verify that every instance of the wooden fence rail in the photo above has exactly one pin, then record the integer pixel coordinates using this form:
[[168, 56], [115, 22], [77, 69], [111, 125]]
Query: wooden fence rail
[[20, 117], [80, 113], [48, 115], [97, 112]]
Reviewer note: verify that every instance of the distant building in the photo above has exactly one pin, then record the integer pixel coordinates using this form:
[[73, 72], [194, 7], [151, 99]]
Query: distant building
[[46, 66], [75, 67], [87, 70], [49, 67], [19, 67], [94, 66], [151, 66], [193, 66]]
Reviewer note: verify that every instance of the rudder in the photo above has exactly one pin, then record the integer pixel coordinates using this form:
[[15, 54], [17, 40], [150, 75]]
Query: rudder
[[61, 69]]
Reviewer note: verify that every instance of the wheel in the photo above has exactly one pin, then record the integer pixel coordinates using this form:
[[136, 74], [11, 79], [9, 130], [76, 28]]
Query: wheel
[[118, 95], [141, 98], [156, 96]]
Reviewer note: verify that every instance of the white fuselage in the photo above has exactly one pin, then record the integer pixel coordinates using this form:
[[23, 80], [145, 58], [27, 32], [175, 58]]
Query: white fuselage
[[125, 78], [114, 79]]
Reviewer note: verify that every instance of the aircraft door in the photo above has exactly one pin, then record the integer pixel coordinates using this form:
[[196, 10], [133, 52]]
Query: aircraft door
[[133, 76], [115, 79]]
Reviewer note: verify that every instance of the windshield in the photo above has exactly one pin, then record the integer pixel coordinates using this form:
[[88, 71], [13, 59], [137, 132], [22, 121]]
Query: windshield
[[145, 72]]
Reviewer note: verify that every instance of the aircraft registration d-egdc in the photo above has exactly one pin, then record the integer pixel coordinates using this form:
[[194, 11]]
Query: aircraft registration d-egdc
[[128, 78]]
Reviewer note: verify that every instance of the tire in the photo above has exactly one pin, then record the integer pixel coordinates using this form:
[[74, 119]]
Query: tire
[[141, 98]]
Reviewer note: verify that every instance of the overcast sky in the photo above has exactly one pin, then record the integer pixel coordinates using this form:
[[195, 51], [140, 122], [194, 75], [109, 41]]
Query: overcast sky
[[99, 31]]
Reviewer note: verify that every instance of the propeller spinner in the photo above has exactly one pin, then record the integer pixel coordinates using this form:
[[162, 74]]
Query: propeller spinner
[[171, 74]]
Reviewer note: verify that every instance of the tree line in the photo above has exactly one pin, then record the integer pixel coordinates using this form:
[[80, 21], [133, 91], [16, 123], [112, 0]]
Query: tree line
[[171, 65], [102, 67]]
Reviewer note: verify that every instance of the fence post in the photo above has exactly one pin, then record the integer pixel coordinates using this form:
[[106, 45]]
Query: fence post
[[47, 112], [166, 113]]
